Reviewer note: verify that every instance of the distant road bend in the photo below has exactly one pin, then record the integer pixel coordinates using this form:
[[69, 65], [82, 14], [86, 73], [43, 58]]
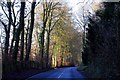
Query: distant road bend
[[69, 73]]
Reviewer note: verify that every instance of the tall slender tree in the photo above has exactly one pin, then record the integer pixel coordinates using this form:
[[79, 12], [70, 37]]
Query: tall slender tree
[[30, 31], [18, 31]]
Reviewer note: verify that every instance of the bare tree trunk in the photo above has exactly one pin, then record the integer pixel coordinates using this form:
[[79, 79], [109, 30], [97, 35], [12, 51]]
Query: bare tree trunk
[[42, 46], [8, 30], [14, 20], [20, 28], [42, 36], [11, 47], [27, 36], [30, 32], [22, 46], [47, 50], [6, 68]]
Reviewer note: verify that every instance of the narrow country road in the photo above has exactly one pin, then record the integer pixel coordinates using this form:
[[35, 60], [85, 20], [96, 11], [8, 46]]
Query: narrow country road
[[62, 73]]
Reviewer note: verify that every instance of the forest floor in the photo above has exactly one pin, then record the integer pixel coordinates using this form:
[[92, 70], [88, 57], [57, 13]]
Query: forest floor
[[21, 75]]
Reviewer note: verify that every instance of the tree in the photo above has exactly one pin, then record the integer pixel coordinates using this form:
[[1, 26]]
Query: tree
[[63, 40], [30, 31], [50, 27], [47, 16], [102, 42], [18, 31], [7, 28]]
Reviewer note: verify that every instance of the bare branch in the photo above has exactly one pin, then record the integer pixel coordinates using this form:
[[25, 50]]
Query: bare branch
[[18, 12], [5, 26], [30, 10], [14, 15], [54, 24], [4, 11], [27, 14], [29, 1], [38, 3]]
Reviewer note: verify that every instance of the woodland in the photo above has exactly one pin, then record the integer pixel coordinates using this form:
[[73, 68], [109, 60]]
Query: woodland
[[43, 35]]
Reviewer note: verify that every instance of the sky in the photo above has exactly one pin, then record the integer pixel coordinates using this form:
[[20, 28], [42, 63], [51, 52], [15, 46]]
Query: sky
[[80, 7], [78, 4]]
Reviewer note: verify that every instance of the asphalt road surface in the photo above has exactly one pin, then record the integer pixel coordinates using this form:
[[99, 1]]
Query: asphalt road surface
[[69, 73]]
